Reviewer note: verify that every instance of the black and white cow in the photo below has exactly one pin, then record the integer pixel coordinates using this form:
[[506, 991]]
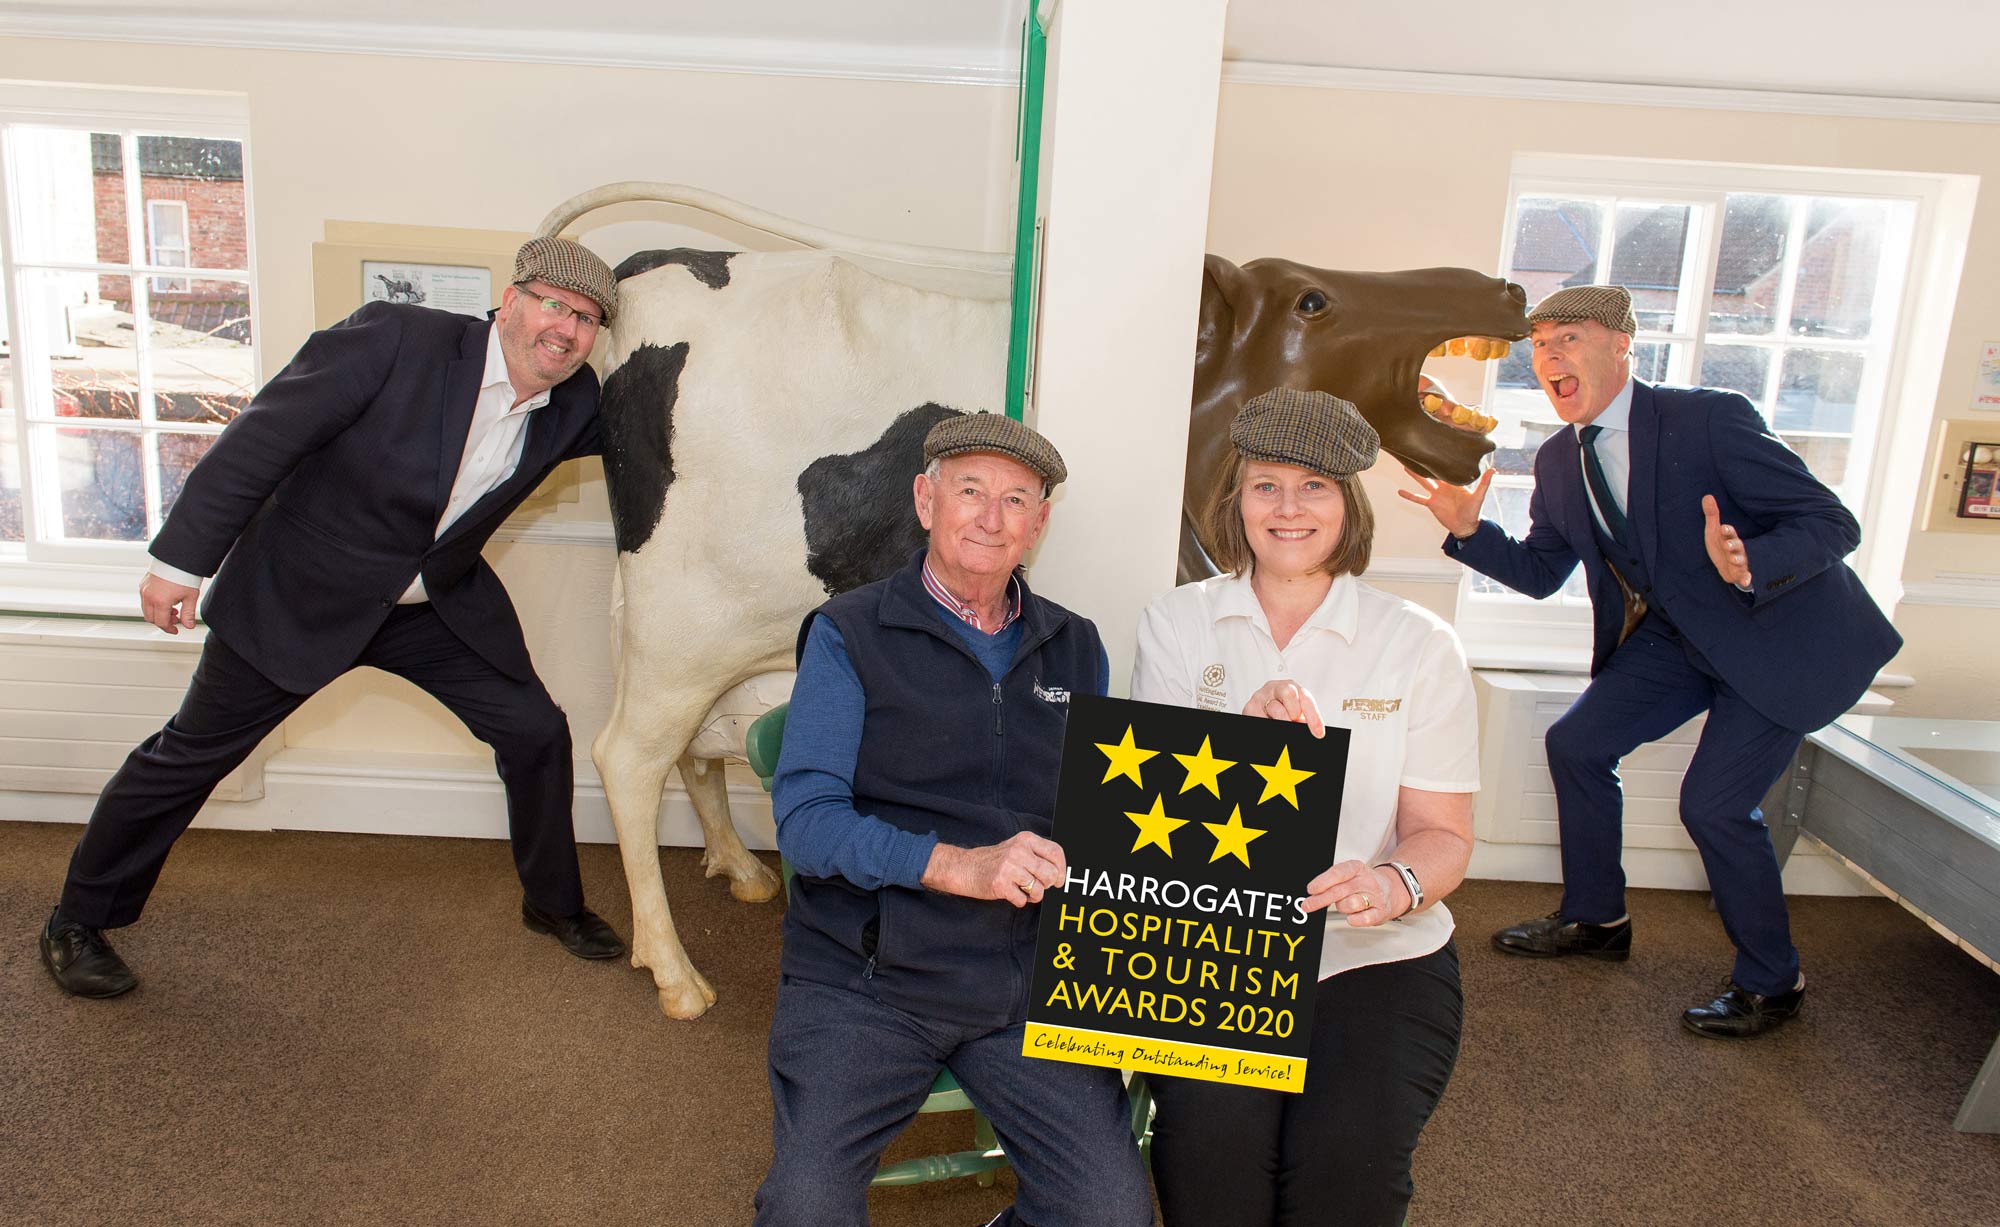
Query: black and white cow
[[764, 415]]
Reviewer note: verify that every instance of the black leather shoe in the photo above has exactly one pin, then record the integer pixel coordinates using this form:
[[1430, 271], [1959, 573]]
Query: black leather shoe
[[81, 961], [1550, 936], [1739, 1013], [584, 935]]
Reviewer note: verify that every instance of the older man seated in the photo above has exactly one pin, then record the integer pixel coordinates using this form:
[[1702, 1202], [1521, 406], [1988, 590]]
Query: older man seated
[[914, 800]]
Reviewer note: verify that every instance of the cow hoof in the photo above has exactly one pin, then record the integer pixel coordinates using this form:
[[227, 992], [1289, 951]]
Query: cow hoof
[[686, 1001], [759, 885]]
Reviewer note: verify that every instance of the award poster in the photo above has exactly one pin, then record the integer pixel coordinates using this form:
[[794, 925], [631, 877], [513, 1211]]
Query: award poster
[[1178, 943]]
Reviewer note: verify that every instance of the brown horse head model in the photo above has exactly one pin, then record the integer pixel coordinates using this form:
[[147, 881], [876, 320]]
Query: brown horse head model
[[1361, 336]]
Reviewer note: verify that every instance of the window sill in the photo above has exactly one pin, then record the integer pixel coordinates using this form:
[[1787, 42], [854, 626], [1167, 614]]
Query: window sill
[[70, 602], [72, 630]]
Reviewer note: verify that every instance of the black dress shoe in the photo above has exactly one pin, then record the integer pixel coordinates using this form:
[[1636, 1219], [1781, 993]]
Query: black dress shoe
[[1739, 1013], [81, 961], [584, 935], [1550, 936]]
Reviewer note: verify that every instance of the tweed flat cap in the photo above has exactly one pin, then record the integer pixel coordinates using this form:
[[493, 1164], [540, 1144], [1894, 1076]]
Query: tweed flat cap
[[994, 432], [1314, 430], [1609, 305], [570, 266]]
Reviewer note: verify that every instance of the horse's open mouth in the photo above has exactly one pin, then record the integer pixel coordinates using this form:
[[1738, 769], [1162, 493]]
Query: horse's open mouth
[[1436, 400]]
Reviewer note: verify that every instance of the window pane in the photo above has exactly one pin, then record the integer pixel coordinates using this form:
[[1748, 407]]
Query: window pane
[[1653, 361], [99, 481], [1739, 368], [71, 195], [1652, 241], [1555, 244], [195, 185], [178, 452], [1817, 390], [1826, 457], [1839, 264], [88, 344], [199, 347], [12, 520], [1751, 264]]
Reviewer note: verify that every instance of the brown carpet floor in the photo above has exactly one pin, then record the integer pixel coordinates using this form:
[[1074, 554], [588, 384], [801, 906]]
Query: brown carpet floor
[[357, 1030]]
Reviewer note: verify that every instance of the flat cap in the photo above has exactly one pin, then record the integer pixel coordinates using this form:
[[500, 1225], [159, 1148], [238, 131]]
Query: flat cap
[[1609, 305], [1314, 430], [994, 432], [568, 265]]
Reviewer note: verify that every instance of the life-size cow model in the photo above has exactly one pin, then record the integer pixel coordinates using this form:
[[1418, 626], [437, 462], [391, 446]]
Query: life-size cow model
[[764, 416]]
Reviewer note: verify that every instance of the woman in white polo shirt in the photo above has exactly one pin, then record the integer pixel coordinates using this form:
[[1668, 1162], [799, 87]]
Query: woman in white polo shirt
[[1289, 632]]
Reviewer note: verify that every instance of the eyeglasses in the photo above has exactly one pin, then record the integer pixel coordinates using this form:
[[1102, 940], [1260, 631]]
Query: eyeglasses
[[555, 310]]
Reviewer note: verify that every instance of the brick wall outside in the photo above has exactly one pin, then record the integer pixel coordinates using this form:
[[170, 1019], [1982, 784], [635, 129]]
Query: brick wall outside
[[216, 234]]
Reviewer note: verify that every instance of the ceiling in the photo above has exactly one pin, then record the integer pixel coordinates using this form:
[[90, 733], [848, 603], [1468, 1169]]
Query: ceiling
[[1915, 49]]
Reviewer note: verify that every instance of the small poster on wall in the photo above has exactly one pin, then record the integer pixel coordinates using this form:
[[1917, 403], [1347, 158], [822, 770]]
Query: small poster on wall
[[1179, 943], [1986, 391], [465, 289], [1979, 497]]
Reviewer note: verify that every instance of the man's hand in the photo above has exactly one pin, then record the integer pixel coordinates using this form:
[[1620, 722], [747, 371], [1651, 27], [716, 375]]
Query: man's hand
[[1725, 548], [1283, 699], [166, 604], [1456, 507], [1016, 870]]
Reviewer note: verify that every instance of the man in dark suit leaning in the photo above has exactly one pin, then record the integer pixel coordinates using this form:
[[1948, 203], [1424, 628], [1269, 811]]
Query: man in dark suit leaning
[[351, 499], [1716, 583]]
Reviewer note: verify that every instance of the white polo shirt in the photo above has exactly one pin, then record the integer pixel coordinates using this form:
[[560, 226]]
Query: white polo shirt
[[1390, 672]]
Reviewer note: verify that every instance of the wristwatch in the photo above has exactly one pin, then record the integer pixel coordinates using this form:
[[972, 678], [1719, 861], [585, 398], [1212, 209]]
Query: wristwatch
[[1410, 884]]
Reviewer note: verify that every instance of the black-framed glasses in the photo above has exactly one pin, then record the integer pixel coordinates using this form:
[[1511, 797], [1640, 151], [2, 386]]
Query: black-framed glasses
[[555, 310]]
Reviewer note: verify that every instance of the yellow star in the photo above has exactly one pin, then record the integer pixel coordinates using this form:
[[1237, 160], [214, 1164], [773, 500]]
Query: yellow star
[[1125, 759], [1204, 769], [1232, 838], [1281, 779], [1156, 827]]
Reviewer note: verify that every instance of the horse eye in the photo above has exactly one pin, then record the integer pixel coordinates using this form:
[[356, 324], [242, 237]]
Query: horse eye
[[1312, 302]]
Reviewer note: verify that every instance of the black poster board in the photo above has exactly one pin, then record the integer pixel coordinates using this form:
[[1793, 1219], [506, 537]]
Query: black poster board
[[1177, 944]]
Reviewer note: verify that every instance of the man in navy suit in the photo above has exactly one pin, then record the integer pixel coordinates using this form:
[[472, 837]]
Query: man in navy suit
[[1716, 583], [351, 499]]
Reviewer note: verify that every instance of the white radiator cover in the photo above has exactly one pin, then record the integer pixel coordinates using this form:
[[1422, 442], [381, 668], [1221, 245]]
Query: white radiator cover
[[1514, 818], [80, 693]]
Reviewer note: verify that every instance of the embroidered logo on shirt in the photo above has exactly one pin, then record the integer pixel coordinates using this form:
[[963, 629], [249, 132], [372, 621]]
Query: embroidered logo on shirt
[[1210, 695], [1051, 694], [1372, 709]]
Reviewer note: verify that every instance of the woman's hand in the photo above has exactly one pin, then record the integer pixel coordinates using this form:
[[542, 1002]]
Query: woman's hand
[[1365, 895], [1283, 699]]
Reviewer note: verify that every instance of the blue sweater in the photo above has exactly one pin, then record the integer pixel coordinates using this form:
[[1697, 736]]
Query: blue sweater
[[813, 794]]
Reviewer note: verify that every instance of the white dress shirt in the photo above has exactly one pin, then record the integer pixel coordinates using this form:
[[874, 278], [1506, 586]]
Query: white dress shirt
[[1389, 672], [1614, 454], [492, 452]]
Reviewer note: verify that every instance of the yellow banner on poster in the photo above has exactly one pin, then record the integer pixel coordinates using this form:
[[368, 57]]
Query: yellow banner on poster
[[1081, 1047]]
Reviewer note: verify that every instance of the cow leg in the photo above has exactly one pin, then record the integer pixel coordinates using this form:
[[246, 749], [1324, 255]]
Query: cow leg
[[633, 767], [723, 852]]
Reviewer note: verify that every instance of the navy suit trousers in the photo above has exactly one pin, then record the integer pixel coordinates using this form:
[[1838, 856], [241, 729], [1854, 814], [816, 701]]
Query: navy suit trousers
[[1654, 682], [230, 707]]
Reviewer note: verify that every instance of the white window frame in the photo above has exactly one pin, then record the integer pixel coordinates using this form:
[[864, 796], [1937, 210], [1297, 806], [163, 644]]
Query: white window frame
[[154, 251], [1513, 630], [101, 577]]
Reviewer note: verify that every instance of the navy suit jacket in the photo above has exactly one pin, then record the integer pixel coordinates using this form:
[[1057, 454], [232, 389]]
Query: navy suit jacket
[[325, 493], [1800, 647]]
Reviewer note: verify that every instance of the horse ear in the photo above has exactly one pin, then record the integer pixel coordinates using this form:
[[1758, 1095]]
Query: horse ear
[[1221, 282]]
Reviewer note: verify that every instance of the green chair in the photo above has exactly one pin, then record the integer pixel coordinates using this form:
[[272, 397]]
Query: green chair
[[763, 741]]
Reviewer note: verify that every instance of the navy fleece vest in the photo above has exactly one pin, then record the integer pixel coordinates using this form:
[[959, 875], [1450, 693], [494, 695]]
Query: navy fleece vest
[[944, 748]]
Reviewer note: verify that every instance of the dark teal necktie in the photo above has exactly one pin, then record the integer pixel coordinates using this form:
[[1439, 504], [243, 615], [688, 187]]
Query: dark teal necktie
[[1600, 489]]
